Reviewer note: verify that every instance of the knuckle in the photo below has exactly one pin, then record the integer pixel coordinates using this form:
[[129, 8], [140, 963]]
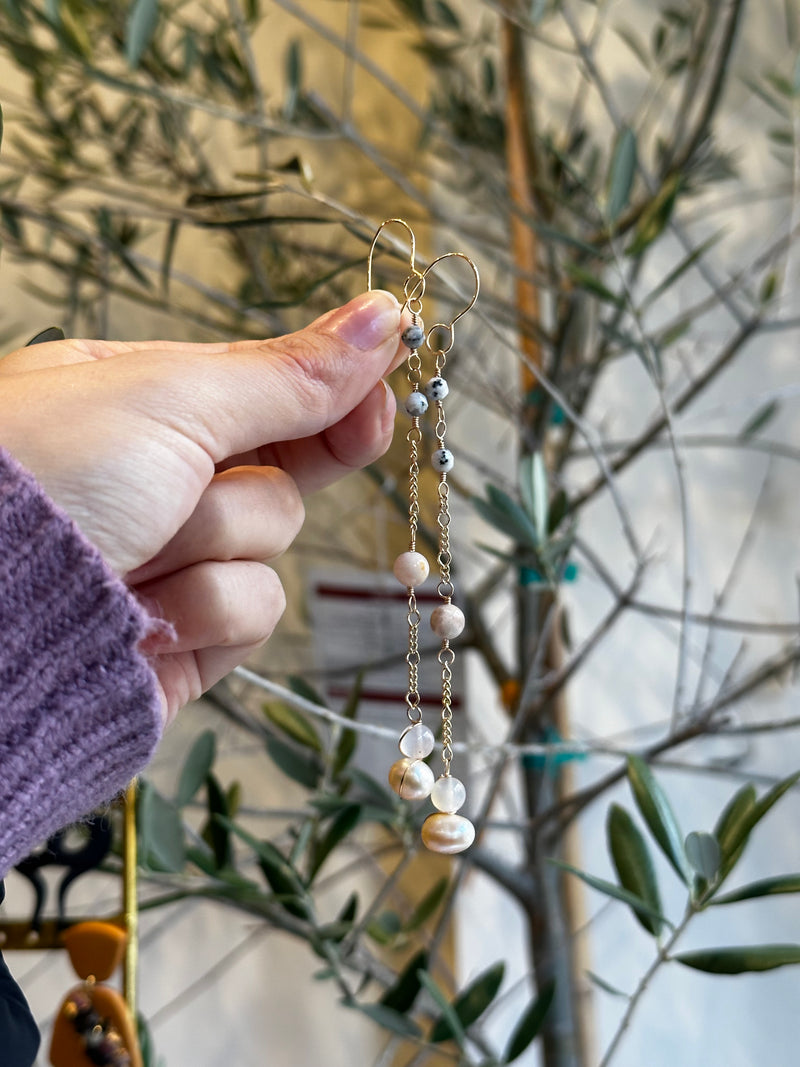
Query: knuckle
[[291, 502], [247, 600], [219, 524], [287, 505], [274, 605], [316, 364], [221, 602]]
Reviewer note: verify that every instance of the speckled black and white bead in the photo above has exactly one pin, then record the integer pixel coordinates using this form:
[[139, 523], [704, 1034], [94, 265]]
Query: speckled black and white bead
[[437, 389], [413, 336], [416, 404], [442, 460]]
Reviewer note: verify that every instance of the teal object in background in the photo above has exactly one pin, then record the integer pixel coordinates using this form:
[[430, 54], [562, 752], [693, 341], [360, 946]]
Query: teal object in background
[[531, 576], [536, 761]]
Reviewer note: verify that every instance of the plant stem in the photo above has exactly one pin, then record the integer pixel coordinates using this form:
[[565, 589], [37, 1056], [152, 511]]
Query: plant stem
[[662, 957]]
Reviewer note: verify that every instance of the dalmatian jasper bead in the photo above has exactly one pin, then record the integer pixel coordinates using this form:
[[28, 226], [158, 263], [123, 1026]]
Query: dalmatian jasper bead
[[417, 404], [437, 389], [413, 336], [442, 460]]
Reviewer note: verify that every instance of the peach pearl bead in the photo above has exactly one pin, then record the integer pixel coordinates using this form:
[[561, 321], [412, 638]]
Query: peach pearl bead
[[447, 833], [411, 569], [411, 779], [447, 621]]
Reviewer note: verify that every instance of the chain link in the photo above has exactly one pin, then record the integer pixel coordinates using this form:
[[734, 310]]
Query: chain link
[[413, 659], [413, 291], [446, 658], [414, 438], [445, 588], [414, 360]]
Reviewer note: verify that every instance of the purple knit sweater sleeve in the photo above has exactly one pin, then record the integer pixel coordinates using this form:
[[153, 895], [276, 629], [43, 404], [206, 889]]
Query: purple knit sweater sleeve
[[79, 706]]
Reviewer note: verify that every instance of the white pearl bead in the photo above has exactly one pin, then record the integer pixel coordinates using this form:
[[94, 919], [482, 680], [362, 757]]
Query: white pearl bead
[[442, 460], [416, 404], [447, 833], [447, 621], [411, 779], [417, 741], [448, 794], [437, 389], [411, 569]]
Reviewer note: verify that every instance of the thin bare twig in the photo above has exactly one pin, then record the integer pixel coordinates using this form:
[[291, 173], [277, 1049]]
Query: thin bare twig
[[661, 957], [657, 426]]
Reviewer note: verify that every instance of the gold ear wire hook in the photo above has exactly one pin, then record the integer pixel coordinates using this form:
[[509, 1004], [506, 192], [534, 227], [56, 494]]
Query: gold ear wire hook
[[378, 232], [448, 326]]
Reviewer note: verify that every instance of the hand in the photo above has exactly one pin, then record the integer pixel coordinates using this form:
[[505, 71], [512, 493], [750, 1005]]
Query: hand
[[185, 464]]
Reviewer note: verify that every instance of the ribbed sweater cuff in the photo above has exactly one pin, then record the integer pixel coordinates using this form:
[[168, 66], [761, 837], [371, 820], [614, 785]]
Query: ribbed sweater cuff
[[80, 712]]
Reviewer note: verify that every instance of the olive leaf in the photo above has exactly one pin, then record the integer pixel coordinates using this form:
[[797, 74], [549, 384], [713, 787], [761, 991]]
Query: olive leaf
[[634, 866], [612, 890], [740, 960], [196, 767], [657, 812], [622, 171], [139, 29], [704, 854], [530, 1023], [470, 1004]]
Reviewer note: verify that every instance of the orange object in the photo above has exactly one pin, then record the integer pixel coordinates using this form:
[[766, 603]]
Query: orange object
[[509, 693], [96, 950], [68, 1047]]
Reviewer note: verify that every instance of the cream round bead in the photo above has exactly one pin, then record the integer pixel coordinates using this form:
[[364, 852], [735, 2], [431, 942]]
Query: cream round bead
[[417, 741], [411, 779], [448, 794], [447, 621], [411, 569], [446, 833], [443, 460]]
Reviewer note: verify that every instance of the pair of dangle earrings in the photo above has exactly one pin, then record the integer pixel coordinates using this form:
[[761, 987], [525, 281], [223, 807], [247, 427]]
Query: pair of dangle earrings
[[410, 776]]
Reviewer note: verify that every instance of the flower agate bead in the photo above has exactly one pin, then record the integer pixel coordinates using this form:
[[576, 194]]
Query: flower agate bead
[[417, 741], [448, 794], [411, 779], [437, 389], [411, 569], [417, 404], [442, 460], [446, 833], [413, 336], [447, 621]]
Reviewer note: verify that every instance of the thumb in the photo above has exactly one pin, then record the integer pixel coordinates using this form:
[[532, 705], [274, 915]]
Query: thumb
[[257, 393]]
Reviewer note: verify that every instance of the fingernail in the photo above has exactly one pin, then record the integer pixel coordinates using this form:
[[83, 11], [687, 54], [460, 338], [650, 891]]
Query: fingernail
[[368, 321]]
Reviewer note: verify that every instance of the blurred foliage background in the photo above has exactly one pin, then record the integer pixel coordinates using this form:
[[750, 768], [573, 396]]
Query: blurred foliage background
[[626, 177]]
